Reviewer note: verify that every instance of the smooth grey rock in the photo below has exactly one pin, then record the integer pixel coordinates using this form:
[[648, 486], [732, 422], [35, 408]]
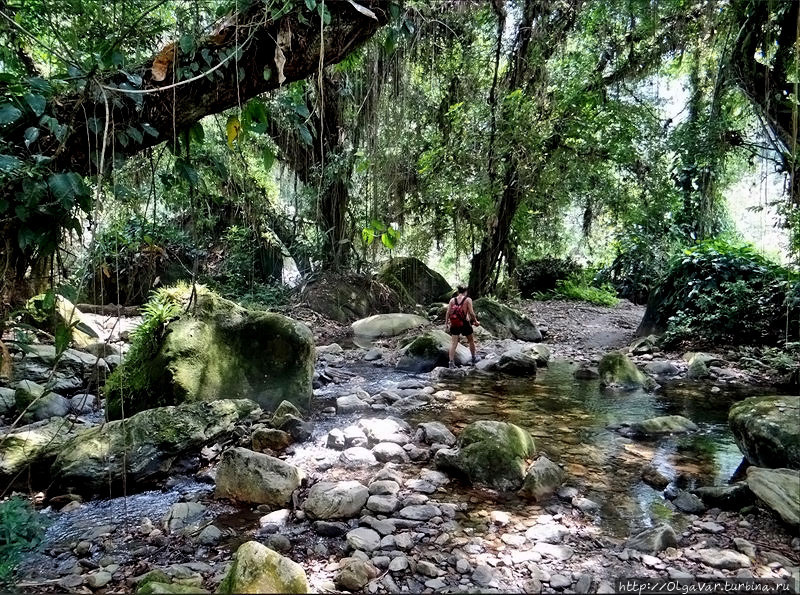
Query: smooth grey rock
[[420, 512], [389, 452], [654, 540], [335, 500], [363, 539], [357, 456]]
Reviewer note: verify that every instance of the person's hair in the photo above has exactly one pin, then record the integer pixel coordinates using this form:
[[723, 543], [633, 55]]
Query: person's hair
[[462, 288]]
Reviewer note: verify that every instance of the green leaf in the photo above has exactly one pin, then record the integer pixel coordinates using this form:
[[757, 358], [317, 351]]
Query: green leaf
[[67, 188], [62, 336], [31, 135], [267, 73], [26, 237], [311, 4], [187, 172], [187, 43], [150, 130], [37, 103], [197, 133], [9, 163], [377, 225], [9, 114], [269, 158], [305, 134], [134, 134], [388, 241], [301, 110], [367, 235], [324, 13]]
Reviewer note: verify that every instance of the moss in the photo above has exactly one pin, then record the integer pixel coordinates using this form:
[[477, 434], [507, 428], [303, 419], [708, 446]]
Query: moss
[[493, 465], [154, 576], [767, 430], [35, 447], [617, 368], [166, 588], [513, 438], [258, 569]]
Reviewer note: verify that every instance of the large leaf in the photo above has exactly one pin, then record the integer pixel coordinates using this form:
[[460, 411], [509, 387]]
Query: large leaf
[[363, 10], [233, 127], [9, 163], [37, 103], [9, 114], [367, 235], [269, 158], [67, 188]]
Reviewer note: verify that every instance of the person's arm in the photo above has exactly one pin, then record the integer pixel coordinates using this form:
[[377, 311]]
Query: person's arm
[[447, 315], [472, 314]]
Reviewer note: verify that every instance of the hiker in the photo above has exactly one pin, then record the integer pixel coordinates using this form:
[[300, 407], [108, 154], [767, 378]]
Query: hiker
[[459, 315]]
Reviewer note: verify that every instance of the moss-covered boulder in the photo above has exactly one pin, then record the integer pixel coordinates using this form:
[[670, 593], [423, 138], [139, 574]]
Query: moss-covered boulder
[[387, 325], [349, 297], [414, 281], [779, 489], [143, 446], [767, 430], [617, 371], [218, 350], [248, 476], [258, 569], [34, 446], [491, 453], [429, 350], [505, 323], [542, 479], [662, 425]]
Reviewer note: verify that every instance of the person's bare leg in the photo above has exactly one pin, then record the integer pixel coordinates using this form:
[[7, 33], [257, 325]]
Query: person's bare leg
[[453, 346], [471, 341]]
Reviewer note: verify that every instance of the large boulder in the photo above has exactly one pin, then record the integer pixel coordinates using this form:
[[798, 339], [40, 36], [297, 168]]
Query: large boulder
[[336, 500], [248, 476], [387, 325], [429, 350], [767, 430], [34, 446], [258, 569], [146, 443], [515, 363], [345, 298], [542, 479], [505, 323], [492, 453], [617, 371], [414, 281], [218, 350], [779, 489]]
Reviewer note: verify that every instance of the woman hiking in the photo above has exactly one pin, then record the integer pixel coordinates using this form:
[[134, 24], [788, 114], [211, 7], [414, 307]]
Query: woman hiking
[[457, 322]]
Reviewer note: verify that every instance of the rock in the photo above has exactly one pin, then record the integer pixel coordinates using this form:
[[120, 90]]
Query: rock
[[209, 535], [345, 297], [98, 579], [724, 559], [398, 564], [435, 432], [182, 514], [698, 367], [414, 281], [542, 479], [653, 540], [328, 529], [83, 331], [420, 512], [354, 436], [559, 581], [586, 374], [779, 489], [389, 452], [363, 539], [483, 575], [7, 400], [387, 325], [585, 504], [339, 500], [618, 371], [258, 569], [83, 403], [373, 354], [516, 363], [661, 369], [652, 476], [265, 439], [663, 425], [429, 569], [688, 502], [429, 350], [44, 407], [539, 352], [382, 487], [353, 574], [248, 476], [335, 439], [34, 445], [158, 588], [147, 442], [284, 413], [730, 497], [505, 323], [491, 453], [217, 350], [356, 457], [351, 404], [546, 532], [383, 503], [279, 543], [767, 430], [558, 552], [387, 429]]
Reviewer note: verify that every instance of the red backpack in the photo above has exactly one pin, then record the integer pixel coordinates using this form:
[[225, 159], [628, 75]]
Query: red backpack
[[457, 314]]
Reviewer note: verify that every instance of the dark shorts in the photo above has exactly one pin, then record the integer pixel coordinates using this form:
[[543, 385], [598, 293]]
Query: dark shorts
[[464, 329]]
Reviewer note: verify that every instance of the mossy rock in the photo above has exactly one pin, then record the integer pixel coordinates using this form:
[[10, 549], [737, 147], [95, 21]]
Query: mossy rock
[[414, 281], [345, 298], [504, 322], [767, 430], [146, 444], [35, 445], [258, 569], [218, 350], [387, 325], [618, 371], [429, 350], [156, 588], [510, 436]]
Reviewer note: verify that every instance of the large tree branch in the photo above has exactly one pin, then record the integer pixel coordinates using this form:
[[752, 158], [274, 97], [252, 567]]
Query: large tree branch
[[261, 40]]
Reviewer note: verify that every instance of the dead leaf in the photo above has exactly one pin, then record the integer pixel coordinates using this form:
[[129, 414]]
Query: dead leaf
[[5, 361], [284, 41], [363, 10], [162, 62]]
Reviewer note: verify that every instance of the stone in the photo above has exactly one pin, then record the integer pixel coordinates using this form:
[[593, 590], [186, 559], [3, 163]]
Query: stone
[[182, 514], [412, 279], [330, 529], [248, 476], [34, 446], [585, 504], [278, 542], [332, 349], [266, 439], [429, 350], [404, 541], [383, 504], [210, 535], [586, 373], [399, 564], [547, 533], [663, 425], [435, 432], [384, 487], [730, 497], [339, 500], [216, 349], [98, 579], [278, 517], [350, 404], [356, 457], [617, 371], [688, 502], [542, 479], [724, 559], [363, 539], [504, 322], [426, 568], [258, 569], [148, 442], [559, 581], [767, 430], [335, 439], [744, 546], [355, 436], [387, 325], [388, 429], [463, 566], [387, 452], [779, 489], [83, 403], [353, 574], [283, 413], [653, 540], [420, 512], [44, 407], [158, 588], [373, 354], [557, 552], [516, 363], [8, 400], [483, 575], [661, 368], [653, 477]]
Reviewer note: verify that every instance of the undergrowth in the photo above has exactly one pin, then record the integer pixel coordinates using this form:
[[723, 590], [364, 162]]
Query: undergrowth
[[21, 530], [579, 287]]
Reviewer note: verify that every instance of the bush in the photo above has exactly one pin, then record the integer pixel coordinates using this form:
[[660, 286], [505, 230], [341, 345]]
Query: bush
[[542, 275], [21, 530], [720, 292], [576, 288]]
